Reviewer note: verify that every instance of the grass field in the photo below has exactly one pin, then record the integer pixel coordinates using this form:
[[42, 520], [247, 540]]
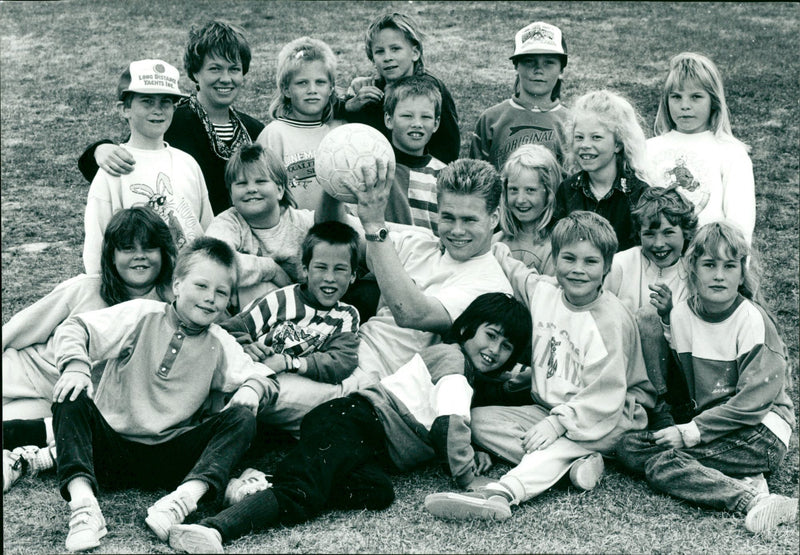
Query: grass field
[[60, 63]]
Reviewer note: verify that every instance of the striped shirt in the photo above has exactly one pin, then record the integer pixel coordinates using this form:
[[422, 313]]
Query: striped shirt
[[224, 131], [292, 322], [413, 198]]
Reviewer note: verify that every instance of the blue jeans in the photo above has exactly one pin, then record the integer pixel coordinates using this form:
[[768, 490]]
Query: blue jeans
[[705, 474]]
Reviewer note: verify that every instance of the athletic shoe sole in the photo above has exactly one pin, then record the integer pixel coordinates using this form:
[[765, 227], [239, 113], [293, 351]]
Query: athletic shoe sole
[[586, 473], [193, 538], [769, 514], [454, 506]]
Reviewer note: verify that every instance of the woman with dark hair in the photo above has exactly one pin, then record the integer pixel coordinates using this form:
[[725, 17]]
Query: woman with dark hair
[[206, 126]]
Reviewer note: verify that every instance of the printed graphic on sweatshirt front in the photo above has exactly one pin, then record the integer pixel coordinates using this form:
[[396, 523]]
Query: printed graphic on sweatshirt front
[[686, 172], [173, 211], [300, 167]]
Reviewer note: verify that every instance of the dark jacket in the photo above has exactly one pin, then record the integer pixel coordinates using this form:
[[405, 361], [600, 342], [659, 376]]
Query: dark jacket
[[574, 193]]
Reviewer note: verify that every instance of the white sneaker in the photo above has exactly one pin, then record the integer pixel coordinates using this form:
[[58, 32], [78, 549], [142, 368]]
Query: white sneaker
[[14, 467], [250, 482], [168, 511], [194, 538], [586, 473], [769, 511], [86, 525]]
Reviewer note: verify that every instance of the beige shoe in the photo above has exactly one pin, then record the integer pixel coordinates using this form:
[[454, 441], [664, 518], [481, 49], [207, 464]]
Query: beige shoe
[[769, 511], [248, 483], [86, 525], [586, 473], [483, 504], [194, 538], [168, 511]]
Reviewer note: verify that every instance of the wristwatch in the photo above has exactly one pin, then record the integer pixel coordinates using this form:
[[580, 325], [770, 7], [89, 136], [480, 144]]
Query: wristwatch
[[378, 237], [295, 364]]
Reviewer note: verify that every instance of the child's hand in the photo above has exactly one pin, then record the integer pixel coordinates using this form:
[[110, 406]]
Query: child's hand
[[257, 351], [114, 159], [669, 436], [661, 298], [367, 94], [70, 384], [539, 436], [244, 397], [483, 462]]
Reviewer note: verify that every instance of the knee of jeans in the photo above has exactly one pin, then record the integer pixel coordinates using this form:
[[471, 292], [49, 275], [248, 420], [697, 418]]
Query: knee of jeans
[[240, 416], [82, 399], [629, 450], [655, 468]]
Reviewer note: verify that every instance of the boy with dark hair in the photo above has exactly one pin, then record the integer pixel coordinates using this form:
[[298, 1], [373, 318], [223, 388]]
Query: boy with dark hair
[[304, 328], [145, 425], [167, 179]]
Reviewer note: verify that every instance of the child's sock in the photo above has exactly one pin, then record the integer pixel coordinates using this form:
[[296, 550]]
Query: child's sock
[[50, 437], [194, 488], [17, 433], [80, 488]]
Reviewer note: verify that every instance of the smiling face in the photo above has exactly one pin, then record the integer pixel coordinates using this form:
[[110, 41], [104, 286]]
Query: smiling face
[[717, 279], [526, 196], [538, 74], [329, 272], [309, 91], [254, 195], [412, 124], [202, 295], [394, 57], [690, 108], [662, 242], [580, 271], [594, 144], [219, 82], [465, 226], [488, 349], [138, 267], [149, 116]]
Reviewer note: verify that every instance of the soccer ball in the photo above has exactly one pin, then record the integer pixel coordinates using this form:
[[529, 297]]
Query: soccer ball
[[343, 152]]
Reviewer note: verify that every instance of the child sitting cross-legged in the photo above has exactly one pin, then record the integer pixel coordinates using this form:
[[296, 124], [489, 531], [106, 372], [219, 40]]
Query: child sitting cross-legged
[[304, 328], [419, 413], [739, 376], [588, 381], [145, 425]]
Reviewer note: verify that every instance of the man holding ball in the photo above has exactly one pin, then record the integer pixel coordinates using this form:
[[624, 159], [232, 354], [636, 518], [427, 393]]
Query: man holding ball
[[425, 281]]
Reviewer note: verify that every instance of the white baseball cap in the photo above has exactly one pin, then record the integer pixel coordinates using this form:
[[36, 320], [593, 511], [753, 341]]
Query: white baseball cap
[[540, 38], [150, 77]]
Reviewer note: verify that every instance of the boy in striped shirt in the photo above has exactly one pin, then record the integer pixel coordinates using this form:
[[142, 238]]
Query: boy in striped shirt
[[304, 328]]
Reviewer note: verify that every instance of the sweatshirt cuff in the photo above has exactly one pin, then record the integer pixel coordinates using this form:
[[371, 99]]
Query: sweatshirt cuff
[[557, 426], [86, 370], [690, 433], [256, 386]]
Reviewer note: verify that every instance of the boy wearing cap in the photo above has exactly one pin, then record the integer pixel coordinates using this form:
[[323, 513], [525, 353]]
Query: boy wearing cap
[[534, 115], [165, 178]]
